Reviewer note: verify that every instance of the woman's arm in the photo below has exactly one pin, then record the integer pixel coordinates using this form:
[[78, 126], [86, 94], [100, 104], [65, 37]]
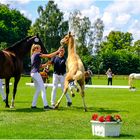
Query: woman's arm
[[50, 55]]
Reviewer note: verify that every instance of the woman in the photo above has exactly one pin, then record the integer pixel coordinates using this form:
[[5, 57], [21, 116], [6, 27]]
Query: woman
[[36, 56], [109, 76]]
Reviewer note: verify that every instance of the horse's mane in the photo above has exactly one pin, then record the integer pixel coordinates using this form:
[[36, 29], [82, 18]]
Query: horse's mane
[[14, 46]]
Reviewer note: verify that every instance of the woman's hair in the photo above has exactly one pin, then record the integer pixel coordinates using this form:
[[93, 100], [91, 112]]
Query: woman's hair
[[34, 46]]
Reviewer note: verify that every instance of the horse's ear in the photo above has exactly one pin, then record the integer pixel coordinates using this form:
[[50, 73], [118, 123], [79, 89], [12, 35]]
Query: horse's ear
[[37, 35], [71, 34]]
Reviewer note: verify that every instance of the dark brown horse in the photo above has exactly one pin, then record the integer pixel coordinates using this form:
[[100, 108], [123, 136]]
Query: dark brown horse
[[11, 62]]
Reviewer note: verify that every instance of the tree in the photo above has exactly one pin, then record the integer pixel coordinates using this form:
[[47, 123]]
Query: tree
[[80, 27], [137, 47], [98, 29], [50, 26], [119, 40], [118, 53], [13, 25]]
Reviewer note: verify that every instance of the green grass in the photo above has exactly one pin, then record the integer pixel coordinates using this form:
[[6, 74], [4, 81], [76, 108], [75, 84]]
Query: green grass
[[71, 123]]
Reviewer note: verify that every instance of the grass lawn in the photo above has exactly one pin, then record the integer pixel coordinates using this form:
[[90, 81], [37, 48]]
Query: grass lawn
[[70, 122]]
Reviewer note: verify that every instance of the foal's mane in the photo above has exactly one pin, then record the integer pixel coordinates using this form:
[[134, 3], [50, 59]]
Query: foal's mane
[[16, 45]]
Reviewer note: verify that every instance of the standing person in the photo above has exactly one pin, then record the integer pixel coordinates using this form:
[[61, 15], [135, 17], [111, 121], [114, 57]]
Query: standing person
[[2, 91], [88, 77], [59, 63], [36, 56], [109, 76]]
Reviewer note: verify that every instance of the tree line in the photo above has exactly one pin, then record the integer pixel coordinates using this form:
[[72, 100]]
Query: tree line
[[98, 53]]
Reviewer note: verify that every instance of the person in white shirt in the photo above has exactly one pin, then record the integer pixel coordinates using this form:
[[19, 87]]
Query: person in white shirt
[[109, 76]]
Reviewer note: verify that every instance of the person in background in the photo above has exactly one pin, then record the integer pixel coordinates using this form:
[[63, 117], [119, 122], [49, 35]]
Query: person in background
[[36, 56], [88, 77], [2, 91], [59, 65], [109, 76]]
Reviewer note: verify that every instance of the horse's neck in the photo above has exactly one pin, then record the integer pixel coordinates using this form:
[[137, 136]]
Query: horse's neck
[[20, 49], [71, 47]]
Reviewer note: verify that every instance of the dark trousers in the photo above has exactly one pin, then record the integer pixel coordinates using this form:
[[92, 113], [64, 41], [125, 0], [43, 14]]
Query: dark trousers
[[110, 81]]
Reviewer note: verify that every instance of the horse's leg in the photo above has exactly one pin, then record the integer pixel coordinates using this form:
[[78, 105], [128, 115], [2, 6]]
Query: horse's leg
[[7, 91], [64, 92], [83, 94], [17, 78]]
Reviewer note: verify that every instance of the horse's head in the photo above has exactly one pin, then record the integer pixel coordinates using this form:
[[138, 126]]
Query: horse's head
[[36, 40], [66, 39]]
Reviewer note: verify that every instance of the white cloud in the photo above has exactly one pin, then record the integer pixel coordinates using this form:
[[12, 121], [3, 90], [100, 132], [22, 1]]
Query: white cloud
[[134, 28], [122, 19], [87, 8], [120, 15], [107, 18], [14, 1], [23, 1], [92, 12], [70, 5], [26, 14]]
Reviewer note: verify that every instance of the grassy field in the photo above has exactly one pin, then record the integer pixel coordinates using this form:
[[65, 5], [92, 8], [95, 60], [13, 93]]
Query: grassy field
[[71, 123]]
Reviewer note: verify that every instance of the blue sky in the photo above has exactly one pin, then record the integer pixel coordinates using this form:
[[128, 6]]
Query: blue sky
[[122, 15]]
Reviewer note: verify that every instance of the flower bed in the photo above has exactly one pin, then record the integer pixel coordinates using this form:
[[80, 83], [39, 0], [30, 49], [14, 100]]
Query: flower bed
[[106, 125]]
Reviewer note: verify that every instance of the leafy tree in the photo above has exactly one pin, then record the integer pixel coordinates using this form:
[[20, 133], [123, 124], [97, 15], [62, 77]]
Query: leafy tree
[[137, 47], [119, 40], [50, 25], [98, 29], [118, 53], [13, 25], [80, 26], [3, 45]]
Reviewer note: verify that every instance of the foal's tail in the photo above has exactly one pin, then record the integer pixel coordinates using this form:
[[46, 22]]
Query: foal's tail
[[78, 75]]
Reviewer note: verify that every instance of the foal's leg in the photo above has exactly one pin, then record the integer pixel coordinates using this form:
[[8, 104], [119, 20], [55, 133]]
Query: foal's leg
[[64, 92], [7, 91], [17, 78], [83, 94]]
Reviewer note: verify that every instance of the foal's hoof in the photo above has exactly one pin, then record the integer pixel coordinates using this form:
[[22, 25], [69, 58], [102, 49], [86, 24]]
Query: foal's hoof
[[56, 106], [77, 90], [73, 95], [85, 110], [12, 107]]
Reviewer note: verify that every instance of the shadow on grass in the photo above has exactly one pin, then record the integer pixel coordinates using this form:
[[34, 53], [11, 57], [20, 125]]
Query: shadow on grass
[[125, 136], [72, 108], [92, 109], [28, 110]]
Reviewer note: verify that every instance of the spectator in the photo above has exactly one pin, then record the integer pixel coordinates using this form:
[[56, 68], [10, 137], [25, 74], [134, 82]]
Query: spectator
[[88, 77], [109, 76]]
